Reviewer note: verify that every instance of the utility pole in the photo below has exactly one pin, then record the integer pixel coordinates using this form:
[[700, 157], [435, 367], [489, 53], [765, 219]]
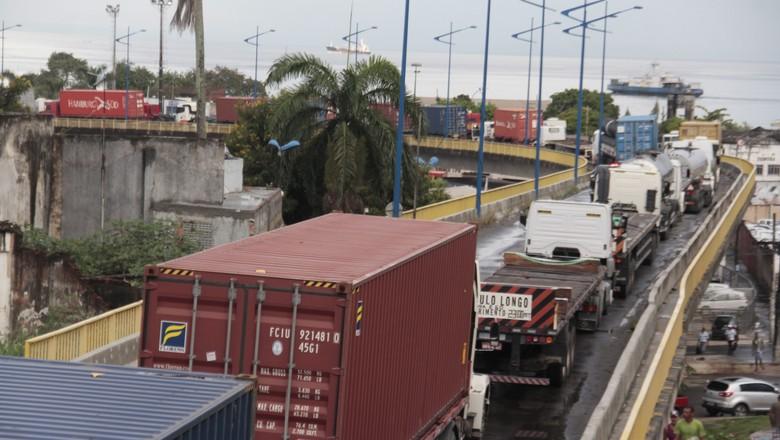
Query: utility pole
[[162, 4], [417, 154], [113, 11]]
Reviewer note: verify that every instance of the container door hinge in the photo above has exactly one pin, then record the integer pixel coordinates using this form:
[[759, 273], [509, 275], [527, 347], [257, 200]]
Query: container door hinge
[[259, 299]]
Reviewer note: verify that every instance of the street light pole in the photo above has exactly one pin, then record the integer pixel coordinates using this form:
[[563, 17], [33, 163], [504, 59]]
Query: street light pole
[[417, 151], [449, 71], [399, 130], [2, 55], [113, 11], [162, 4], [483, 115], [601, 93], [530, 42], [256, 44], [356, 34], [585, 24], [127, 66], [580, 93]]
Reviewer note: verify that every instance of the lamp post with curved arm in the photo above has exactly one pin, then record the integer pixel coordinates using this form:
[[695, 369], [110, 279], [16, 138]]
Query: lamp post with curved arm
[[399, 129], [256, 44], [127, 65], [356, 34], [586, 24], [449, 43]]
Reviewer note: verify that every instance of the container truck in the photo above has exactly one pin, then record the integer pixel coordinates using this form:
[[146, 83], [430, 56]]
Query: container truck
[[390, 113], [696, 193], [357, 327], [510, 125], [529, 310], [444, 122], [116, 104], [70, 400], [553, 130], [711, 130], [645, 183], [228, 106]]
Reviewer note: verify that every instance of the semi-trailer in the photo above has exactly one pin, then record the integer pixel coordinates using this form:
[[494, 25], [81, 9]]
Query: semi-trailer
[[355, 326], [697, 191], [510, 125], [529, 310]]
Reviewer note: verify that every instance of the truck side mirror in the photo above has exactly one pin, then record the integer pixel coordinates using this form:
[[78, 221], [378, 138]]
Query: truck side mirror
[[523, 217]]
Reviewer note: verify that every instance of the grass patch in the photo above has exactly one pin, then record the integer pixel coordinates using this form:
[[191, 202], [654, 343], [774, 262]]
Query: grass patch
[[734, 427]]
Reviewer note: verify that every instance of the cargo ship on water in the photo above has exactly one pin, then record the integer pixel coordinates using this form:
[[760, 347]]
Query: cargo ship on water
[[361, 49], [654, 84]]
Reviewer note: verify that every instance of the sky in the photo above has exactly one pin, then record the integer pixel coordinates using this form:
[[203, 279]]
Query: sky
[[718, 30], [729, 47]]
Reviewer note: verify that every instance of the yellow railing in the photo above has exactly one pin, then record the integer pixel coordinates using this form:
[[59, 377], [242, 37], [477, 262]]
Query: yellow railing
[[643, 408], [139, 125], [465, 203], [83, 337]]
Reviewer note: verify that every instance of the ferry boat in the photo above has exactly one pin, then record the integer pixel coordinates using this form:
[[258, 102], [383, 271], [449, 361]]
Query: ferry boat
[[361, 49], [654, 84]]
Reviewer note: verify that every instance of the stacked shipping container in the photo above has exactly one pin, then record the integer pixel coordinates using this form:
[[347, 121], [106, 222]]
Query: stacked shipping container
[[76, 103], [510, 125], [444, 122], [635, 134]]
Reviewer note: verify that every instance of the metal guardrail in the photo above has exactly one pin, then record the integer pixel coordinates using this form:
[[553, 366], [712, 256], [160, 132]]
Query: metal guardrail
[[86, 336], [143, 125], [465, 203], [643, 409]]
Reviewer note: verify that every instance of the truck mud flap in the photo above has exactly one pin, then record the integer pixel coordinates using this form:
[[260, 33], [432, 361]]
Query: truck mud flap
[[519, 380]]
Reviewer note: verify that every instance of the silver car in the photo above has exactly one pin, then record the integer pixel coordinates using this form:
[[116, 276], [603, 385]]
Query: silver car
[[739, 396]]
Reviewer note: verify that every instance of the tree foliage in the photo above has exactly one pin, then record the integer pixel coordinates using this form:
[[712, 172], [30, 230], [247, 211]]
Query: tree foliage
[[123, 249], [720, 114], [140, 78], [346, 156], [563, 105], [466, 102], [9, 96], [671, 124]]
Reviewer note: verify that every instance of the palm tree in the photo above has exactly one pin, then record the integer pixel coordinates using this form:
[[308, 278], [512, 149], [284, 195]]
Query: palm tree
[[189, 16], [335, 111]]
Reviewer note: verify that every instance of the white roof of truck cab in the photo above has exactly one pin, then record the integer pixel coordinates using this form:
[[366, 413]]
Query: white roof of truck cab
[[554, 224]]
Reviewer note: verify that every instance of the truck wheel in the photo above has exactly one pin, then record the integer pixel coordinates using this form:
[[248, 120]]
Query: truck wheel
[[448, 433], [555, 374]]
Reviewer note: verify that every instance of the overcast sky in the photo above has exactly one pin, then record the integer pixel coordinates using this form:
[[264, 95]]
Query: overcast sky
[[719, 30]]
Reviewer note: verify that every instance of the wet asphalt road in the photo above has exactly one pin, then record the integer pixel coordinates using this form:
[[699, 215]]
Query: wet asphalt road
[[528, 412]]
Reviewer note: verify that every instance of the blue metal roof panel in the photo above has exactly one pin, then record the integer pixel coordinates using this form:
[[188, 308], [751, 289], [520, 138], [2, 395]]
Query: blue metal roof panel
[[45, 400]]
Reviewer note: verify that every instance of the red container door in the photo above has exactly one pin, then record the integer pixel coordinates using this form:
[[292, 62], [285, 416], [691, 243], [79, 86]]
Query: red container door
[[189, 323], [308, 337]]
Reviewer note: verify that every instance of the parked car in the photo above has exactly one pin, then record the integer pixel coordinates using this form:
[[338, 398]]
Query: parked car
[[725, 300], [739, 396], [719, 326]]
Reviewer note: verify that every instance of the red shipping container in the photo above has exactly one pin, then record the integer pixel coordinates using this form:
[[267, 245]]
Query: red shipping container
[[361, 323], [510, 124], [76, 103], [390, 113], [227, 107]]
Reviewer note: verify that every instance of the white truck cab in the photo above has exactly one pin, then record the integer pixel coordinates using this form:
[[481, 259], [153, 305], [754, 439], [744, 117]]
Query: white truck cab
[[564, 229]]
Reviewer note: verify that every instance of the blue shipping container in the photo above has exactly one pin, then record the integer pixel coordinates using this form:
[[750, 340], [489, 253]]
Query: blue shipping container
[[436, 117], [48, 400], [635, 134]]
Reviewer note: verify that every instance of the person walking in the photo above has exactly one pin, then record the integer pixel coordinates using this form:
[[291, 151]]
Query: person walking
[[731, 338], [704, 338], [758, 349], [669, 433], [689, 428]]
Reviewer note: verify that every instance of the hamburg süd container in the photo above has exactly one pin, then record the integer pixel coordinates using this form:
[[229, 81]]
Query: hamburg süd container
[[510, 124], [357, 327], [76, 103], [68, 400]]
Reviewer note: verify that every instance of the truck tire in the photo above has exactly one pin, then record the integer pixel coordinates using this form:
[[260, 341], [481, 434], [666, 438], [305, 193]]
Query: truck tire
[[555, 374], [448, 433]]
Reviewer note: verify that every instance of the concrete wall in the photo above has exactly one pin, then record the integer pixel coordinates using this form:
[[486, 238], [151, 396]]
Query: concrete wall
[[29, 280], [234, 175], [30, 191], [109, 177]]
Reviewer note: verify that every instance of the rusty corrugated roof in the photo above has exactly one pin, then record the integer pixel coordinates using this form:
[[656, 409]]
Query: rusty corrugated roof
[[335, 248]]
